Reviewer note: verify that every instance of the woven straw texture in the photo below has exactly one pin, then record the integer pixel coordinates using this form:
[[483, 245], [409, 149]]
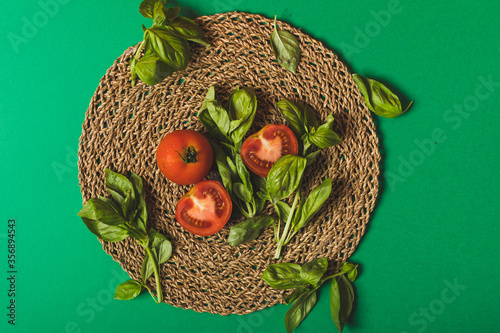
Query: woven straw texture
[[123, 126]]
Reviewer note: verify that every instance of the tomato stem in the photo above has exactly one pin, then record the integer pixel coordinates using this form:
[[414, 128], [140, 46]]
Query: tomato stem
[[190, 156]]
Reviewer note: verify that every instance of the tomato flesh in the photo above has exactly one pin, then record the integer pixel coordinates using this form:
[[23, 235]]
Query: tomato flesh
[[205, 209], [185, 157], [261, 150]]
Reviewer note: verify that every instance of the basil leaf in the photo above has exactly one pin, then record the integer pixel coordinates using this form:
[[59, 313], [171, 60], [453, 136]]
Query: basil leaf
[[146, 7], [310, 120], [285, 176], [242, 108], [185, 28], [108, 233], [314, 270], [243, 172], [324, 136], [172, 12], [172, 50], [299, 310], [128, 290], [311, 157], [296, 293], [159, 16], [350, 269], [98, 210], [219, 126], [283, 276], [379, 98], [151, 70], [293, 115], [242, 192], [341, 301], [162, 251], [286, 48], [248, 230], [282, 209], [118, 183], [140, 196], [224, 171], [313, 203], [161, 244]]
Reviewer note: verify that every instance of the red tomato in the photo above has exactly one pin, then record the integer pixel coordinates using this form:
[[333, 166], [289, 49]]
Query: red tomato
[[261, 150], [205, 209], [184, 157]]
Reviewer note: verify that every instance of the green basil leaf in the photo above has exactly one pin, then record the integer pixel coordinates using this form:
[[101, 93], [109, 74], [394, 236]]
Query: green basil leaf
[[310, 120], [224, 171], [146, 7], [299, 310], [243, 172], [242, 192], [248, 230], [286, 48], [159, 16], [283, 276], [128, 290], [172, 12], [210, 125], [285, 176], [282, 209], [311, 157], [118, 183], [313, 203], [161, 244], [314, 270], [140, 197], [324, 136], [242, 108], [185, 28], [161, 249], [172, 50], [218, 127], [379, 98], [341, 301], [116, 206], [108, 233], [98, 210], [297, 292], [294, 115], [151, 70], [350, 269]]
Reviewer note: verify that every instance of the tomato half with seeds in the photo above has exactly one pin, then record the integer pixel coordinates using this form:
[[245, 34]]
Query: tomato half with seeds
[[261, 150], [185, 157], [205, 209]]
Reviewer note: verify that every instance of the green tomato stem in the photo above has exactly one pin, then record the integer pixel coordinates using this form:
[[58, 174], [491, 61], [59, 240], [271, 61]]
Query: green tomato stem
[[159, 291]]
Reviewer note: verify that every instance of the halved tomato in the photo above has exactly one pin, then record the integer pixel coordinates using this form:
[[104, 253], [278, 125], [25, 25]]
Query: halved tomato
[[261, 150], [205, 209]]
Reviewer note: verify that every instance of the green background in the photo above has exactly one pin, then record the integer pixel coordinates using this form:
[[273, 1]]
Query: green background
[[436, 222]]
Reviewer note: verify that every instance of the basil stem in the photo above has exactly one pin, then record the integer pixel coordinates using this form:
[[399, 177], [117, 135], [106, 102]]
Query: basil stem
[[284, 237], [157, 277]]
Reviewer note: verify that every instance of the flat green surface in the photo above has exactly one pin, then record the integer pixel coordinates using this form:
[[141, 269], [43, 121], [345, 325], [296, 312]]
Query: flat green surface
[[430, 257]]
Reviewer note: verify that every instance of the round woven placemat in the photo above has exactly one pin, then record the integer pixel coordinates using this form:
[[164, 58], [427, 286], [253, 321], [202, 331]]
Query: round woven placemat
[[123, 126]]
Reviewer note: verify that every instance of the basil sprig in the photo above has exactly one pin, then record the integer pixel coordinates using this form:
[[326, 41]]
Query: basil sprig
[[378, 98], [113, 220], [229, 127], [304, 124], [306, 281], [165, 45], [286, 48]]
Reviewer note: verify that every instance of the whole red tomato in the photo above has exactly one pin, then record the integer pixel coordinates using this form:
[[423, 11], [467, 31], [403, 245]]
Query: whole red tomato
[[261, 150], [184, 157], [205, 209]]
